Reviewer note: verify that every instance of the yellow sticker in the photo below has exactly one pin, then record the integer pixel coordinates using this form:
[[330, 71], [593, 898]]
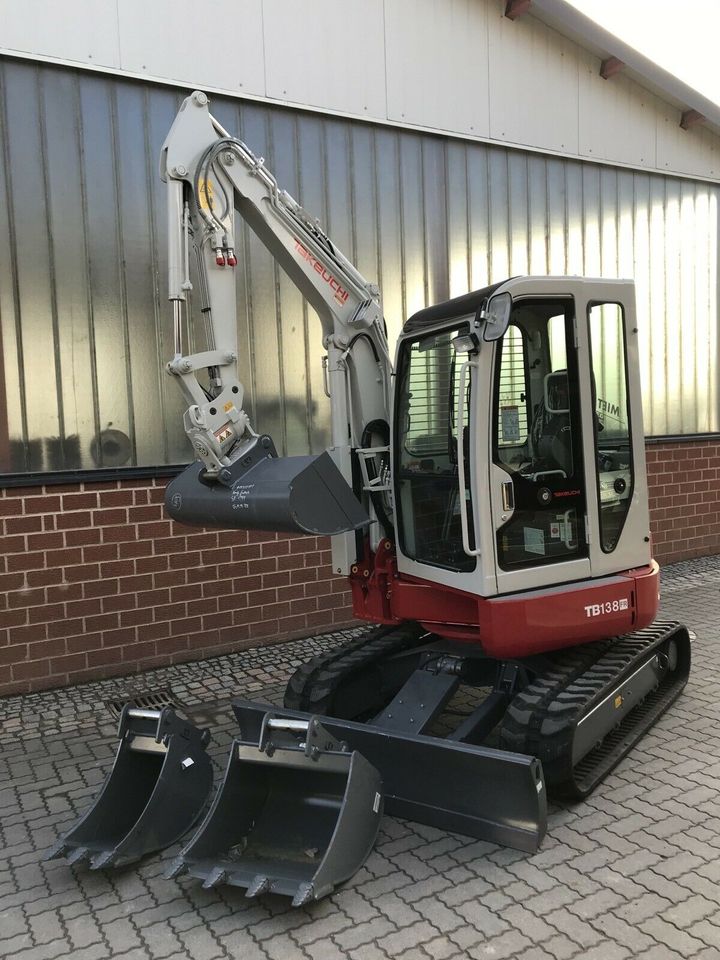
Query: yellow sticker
[[618, 702], [206, 193]]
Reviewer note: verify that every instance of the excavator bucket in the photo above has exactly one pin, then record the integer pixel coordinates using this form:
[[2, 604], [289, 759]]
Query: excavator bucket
[[156, 791], [297, 814], [264, 492]]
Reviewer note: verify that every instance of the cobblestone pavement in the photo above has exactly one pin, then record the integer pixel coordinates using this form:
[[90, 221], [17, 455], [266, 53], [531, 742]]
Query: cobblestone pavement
[[632, 872]]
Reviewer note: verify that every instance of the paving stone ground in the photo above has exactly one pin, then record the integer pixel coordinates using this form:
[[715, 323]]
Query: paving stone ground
[[632, 872]]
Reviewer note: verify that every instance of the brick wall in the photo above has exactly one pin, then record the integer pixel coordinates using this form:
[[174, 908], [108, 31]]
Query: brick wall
[[95, 581], [684, 489]]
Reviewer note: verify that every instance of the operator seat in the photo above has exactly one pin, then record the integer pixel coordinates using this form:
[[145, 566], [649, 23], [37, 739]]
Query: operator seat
[[550, 433]]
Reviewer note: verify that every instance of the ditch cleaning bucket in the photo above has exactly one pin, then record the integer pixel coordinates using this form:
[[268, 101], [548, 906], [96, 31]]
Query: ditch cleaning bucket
[[156, 791], [297, 814]]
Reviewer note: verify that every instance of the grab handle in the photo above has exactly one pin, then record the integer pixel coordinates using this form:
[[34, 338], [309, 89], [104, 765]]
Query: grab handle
[[470, 551]]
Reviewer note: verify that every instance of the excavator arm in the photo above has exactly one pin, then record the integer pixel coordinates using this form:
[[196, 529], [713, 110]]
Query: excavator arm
[[210, 175]]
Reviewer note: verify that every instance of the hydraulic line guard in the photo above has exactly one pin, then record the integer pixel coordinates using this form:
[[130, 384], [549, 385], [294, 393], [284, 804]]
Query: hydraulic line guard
[[297, 814], [156, 791]]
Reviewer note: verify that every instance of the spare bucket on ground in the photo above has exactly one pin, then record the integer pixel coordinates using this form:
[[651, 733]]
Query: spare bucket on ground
[[156, 790], [297, 814]]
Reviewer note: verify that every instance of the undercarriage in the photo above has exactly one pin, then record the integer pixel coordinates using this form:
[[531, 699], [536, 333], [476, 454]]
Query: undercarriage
[[579, 711]]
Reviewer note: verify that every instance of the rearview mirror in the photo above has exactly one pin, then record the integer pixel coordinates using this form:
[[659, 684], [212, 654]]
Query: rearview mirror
[[496, 316]]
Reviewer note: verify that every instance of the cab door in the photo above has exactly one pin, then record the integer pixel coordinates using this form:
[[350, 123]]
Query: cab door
[[539, 482], [618, 515]]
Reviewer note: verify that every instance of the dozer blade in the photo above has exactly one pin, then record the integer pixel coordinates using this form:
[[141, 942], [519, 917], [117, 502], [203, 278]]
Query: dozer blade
[[297, 814], [484, 793], [156, 791]]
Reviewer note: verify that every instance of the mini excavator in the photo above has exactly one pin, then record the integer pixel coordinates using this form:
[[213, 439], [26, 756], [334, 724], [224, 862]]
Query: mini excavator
[[486, 497]]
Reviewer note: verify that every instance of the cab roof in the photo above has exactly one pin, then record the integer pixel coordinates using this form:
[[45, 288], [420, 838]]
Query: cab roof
[[450, 309]]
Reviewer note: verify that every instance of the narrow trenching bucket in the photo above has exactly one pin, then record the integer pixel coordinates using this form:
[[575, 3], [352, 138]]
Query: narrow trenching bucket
[[297, 814], [156, 791]]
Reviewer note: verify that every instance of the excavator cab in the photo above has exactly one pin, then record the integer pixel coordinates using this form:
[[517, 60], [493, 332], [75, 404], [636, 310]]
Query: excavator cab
[[539, 409]]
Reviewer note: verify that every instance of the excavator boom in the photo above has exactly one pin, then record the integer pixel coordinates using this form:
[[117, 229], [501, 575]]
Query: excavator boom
[[210, 175]]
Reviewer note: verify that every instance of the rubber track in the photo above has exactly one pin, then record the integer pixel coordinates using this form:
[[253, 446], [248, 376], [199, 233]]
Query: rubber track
[[542, 719], [314, 684]]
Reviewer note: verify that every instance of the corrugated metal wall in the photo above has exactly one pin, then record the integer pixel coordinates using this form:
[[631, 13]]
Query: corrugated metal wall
[[86, 328]]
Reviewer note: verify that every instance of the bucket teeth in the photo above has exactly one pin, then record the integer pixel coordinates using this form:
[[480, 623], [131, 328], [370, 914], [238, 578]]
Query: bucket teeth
[[56, 852], [259, 885], [176, 869], [305, 894], [217, 875], [103, 860], [76, 855]]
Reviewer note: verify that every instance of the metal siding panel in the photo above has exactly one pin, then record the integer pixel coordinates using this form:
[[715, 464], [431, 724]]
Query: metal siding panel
[[695, 151], [647, 329], [533, 85], [705, 224], [675, 347], [11, 380], [391, 276], [556, 216], [312, 195], [412, 221], [66, 30], [263, 405], [457, 203], [104, 243], [216, 46], [139, 355], [435, 231], [662, 415], [518, 212], [32, 253], [330, 73], [68, 260], [617, 118], [363, 206], [609, 222], [291, 327], [625, 224], [478, 189], [161, 107], [574, 221], [591, 221], [437, 64], [538, 215], [498, 215]]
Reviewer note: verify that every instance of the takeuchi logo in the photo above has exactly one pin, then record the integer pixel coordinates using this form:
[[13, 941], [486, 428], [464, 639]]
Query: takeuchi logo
[[341, 294]]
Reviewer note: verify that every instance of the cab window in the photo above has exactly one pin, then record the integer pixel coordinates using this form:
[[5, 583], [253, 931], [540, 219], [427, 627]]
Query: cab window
[[429, 441], [537, 436], [612, 419]]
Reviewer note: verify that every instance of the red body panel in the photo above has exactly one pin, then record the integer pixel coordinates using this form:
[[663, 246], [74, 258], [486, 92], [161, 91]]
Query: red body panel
[[514, 625]]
